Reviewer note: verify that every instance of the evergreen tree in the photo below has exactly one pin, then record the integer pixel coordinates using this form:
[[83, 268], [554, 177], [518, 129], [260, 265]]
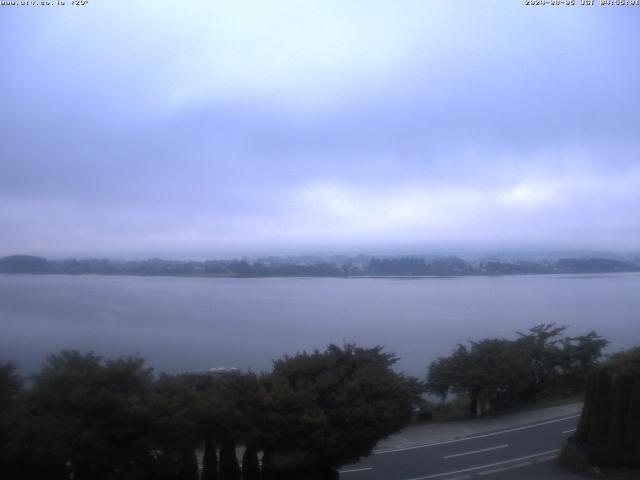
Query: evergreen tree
[[586, 416], [176, 407], [580, 355], [495, 373], [621, 393], [10, 421], [599, 432], [492, 372], [540, 346], [250, 464], [609, 427], [209, 459], [632, 447], [229, 468], [326, 409], [91, 413], [188, 469]]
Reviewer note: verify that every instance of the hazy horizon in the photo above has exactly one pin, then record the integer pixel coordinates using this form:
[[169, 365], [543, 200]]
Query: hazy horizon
[[475, 255], [217, 129]]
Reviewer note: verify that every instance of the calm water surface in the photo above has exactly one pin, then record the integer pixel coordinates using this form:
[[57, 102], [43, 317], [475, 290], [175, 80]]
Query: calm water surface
[[196, 323]]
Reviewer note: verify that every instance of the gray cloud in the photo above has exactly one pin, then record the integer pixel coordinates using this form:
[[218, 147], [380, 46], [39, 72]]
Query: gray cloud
[[232, 128]]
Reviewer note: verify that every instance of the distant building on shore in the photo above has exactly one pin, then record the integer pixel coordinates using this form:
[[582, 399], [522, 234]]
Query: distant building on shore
[[223, 370]]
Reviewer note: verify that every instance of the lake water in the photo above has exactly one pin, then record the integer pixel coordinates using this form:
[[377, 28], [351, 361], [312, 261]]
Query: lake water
[[192, 324]]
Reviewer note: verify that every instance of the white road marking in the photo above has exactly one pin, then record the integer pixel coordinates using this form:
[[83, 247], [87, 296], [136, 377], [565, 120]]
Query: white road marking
[[446, 442], [476, 451], [480, 467], [504, 469], [546, 459], [570, 430], [356, 470]]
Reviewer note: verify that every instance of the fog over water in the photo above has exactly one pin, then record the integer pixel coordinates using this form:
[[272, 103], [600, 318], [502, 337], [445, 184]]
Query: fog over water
[[183, 324]]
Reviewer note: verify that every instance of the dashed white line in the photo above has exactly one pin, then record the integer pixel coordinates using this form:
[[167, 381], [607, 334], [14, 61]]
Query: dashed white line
[[570, 430], [504, 469], [480, 467], [515, 429], [476, 451], [356, 470], [546, 459]]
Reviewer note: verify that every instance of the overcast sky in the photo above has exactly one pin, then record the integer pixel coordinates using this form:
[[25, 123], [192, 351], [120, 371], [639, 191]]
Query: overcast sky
[[205, 128]]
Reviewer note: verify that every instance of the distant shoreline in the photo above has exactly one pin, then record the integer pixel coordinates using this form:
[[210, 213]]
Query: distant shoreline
[[317, 267]]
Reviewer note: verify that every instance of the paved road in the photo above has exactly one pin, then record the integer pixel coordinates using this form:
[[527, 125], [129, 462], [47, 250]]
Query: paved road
[[519, 452]]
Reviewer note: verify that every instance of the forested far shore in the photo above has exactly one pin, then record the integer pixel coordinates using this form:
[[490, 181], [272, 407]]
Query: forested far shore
[[336, 266]]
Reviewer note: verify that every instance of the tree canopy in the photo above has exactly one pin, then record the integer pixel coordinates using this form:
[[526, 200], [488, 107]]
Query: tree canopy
[[496, 373], [90, 417], [609, 429], [332, 407]]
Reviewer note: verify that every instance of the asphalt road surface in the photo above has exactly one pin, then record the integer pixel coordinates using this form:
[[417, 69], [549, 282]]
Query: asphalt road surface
[[521, 452]]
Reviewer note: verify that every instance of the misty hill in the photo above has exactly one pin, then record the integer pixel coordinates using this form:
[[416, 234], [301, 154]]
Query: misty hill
[[24, 264], [337, 266], [416, 266], [594, 265]]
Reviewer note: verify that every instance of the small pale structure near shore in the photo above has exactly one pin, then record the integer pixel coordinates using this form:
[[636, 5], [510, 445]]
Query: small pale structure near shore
[[222, 370]]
